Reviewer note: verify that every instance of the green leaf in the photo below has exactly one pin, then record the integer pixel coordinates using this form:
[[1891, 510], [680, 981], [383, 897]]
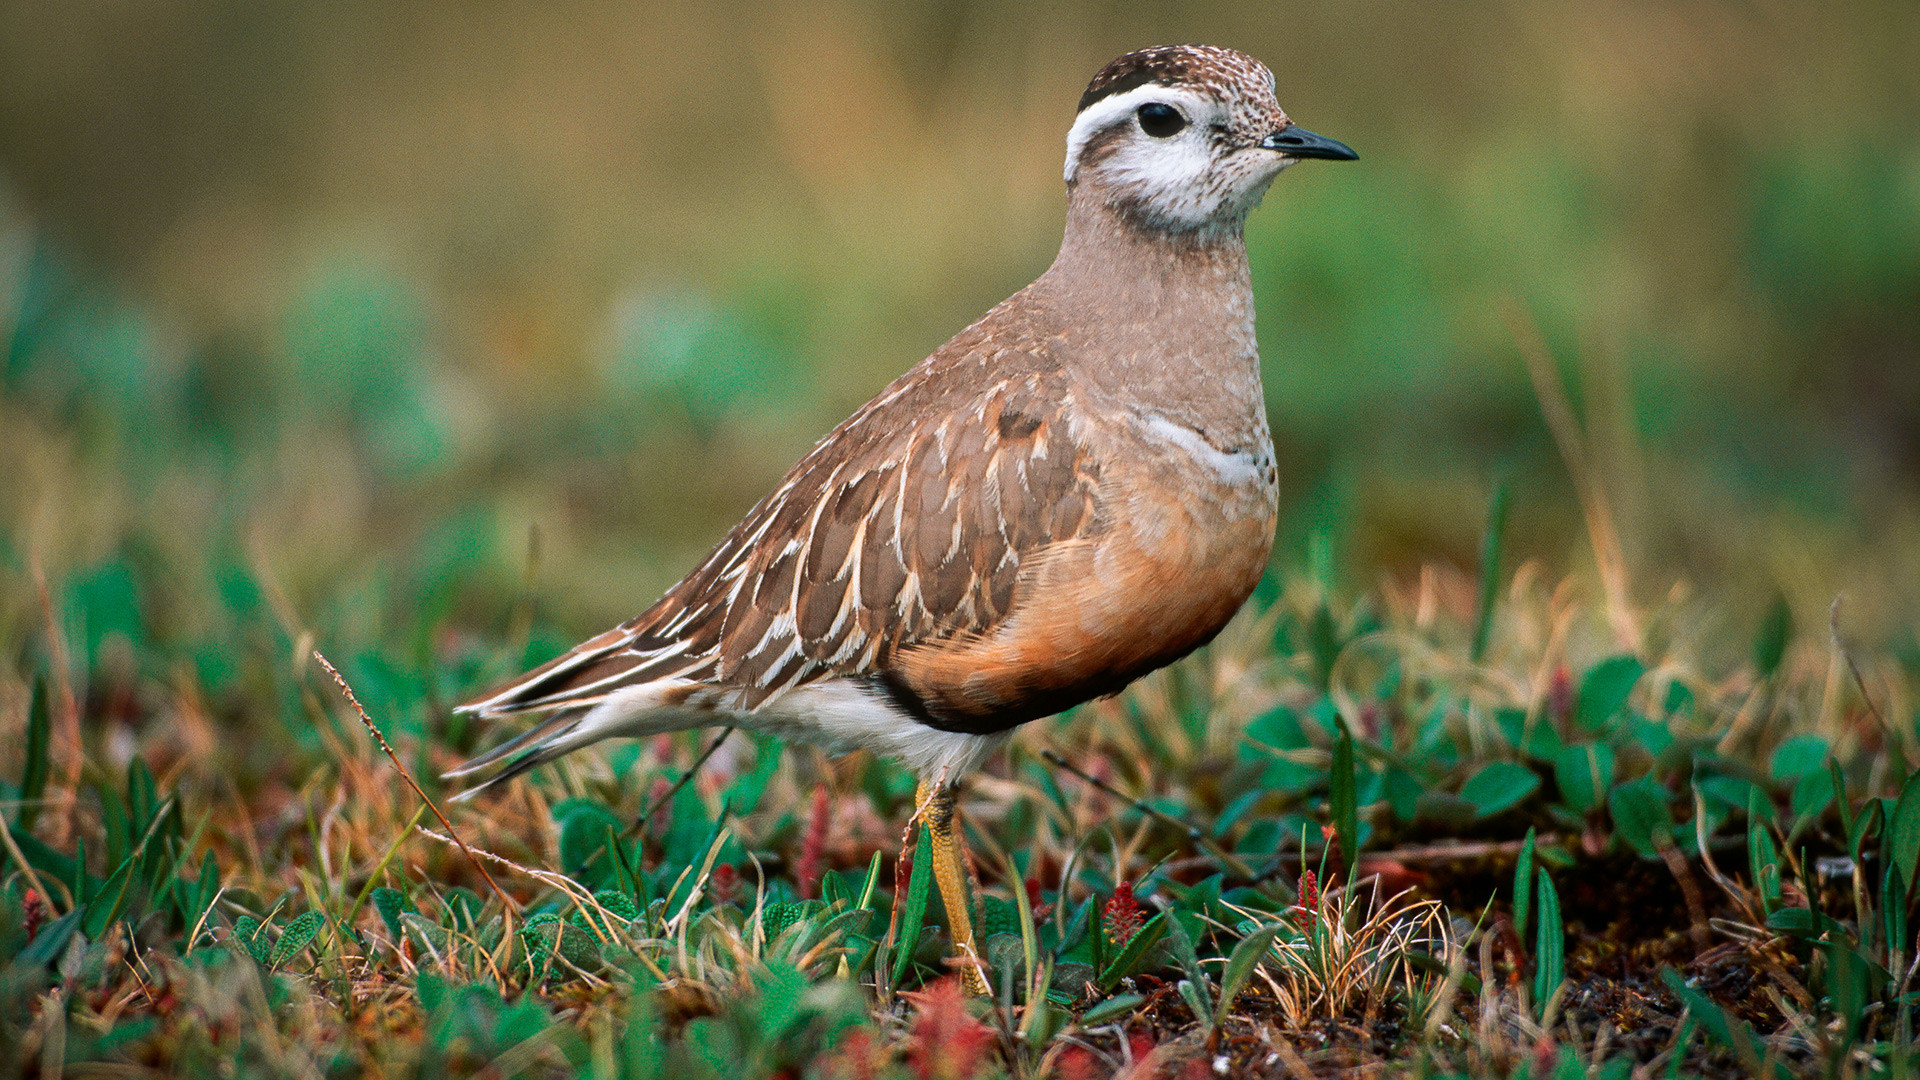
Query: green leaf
[[1127, 961], [463, 908], [1866, 824], [1893, 908], [1728, 791], [1111, 1009], [537, 937], [1196, 999], [1240, 964], [298, 934], [1726, 1030], [117, 823], [1838, 780], [1812, 795], [871, 886], [248, 931], [1343, 797], [1499, 786], [51, 942], [583, 841], [391, 904], [1679, 699], [1641, 816], [1804, 923], [1323, 639], [204, 892], [1278, 727], [1797, 757], [1005, 954], [1490, 568], [776, 918], [142, 800], [1081, 939], [33, 781], [781, 991], [1904, 830], [577, 943], [1583, 773], [618, 904], [641, 1052], [1604, 690], [1523, 886], [1849, 983], [1188, 959], [1550, 947], [109, 902], [626, 878], [914, 915], [1770, 643], [1540, 742], [1763, 859]]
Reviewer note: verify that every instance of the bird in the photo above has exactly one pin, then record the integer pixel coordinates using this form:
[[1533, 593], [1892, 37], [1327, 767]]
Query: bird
[[1077, 489]]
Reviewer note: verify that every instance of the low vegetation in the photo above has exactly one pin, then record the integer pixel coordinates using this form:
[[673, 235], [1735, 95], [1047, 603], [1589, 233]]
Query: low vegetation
[[1418, 832]]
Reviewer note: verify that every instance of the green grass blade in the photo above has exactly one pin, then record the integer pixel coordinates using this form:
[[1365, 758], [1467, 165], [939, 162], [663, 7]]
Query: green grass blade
[[1726, 1030], [1770, 641], [1840, 795], [1343, 798], [379, 870], [872, 884], [1196, 987], [1523, 887], [1904, 830], [1550, 949], [1241, 963], [914, 915], [33, 781], [109, 902], [1128, 958], [1490, 568], [1111, 1009]]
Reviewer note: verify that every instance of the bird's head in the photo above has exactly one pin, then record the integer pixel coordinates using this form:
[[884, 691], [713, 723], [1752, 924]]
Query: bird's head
[[1185, 138]]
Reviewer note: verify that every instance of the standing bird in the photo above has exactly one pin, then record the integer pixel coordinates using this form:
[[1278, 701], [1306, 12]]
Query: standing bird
[[1076, 490]]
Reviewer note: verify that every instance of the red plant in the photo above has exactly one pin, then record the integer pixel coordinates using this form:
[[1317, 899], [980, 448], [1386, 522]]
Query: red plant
[[947, 1042], [807, 870], [1121, 916], [33, 912], [854, 1058], [1040, 910], [1308, 910], [723, 883], [1077, 1063], [1560, 696]]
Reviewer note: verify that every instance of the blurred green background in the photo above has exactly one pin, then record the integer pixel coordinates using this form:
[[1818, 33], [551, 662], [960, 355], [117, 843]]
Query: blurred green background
[[421, 324]]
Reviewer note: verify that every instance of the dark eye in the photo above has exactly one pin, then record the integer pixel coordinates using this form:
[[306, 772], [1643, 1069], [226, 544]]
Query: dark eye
[[1160, 120]]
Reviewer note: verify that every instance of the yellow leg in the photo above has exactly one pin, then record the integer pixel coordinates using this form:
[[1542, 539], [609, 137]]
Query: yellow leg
[[936, 808]]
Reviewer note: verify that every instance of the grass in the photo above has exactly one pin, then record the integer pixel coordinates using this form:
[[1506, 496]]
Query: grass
[[1717, 865]]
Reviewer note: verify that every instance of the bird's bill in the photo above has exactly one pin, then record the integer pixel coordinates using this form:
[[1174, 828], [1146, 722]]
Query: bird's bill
[[1296, 141]]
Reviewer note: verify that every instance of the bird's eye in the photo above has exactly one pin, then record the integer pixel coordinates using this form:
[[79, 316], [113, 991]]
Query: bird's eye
[[1160, 120]]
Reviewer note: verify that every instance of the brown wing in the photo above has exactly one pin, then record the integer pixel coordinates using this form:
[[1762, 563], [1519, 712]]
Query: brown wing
[[908, 524]]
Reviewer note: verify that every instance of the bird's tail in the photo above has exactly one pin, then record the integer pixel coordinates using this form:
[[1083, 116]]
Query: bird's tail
[[632, 711]]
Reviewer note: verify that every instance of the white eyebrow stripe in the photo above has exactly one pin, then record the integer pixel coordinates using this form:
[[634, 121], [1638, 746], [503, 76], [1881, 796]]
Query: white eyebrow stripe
[[1103, 113]]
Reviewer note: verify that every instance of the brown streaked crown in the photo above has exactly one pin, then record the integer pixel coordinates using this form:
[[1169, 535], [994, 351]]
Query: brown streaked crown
[[1192, 66]]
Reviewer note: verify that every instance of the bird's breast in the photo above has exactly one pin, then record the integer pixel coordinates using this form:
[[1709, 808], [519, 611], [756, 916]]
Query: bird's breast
[[1186, 526]]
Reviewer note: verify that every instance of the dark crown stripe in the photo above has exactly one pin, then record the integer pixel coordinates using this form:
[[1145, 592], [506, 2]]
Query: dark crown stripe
[[1166, 65]]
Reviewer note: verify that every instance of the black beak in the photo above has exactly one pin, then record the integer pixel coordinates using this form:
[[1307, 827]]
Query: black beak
[[1296, 141]]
